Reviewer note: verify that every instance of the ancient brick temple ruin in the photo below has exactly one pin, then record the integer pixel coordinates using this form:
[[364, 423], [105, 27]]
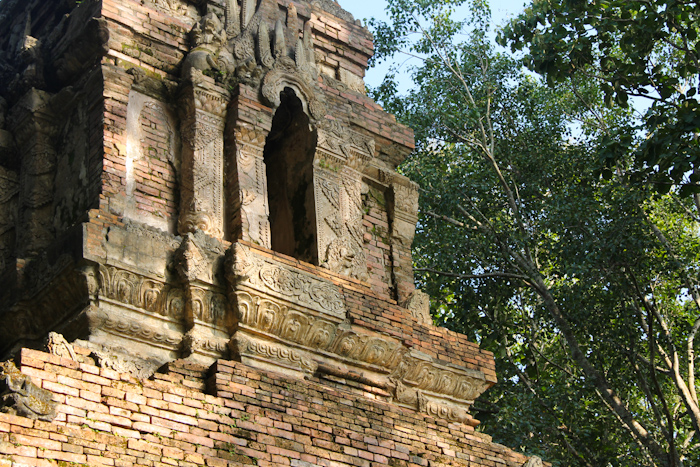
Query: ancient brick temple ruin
[[205, 247]]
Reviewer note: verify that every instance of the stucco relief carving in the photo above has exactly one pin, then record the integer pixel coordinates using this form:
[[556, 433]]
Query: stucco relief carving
[[246, 347], [198, 343], [148, 294], [335, 137], [56, 291], [9, 190], [288, 324], [202, 177], [174, 7], [57, 345], [341, 155], [133, 330], [444, 410], [247, 268], [418, 303], [207, 306], [191, 262], [534, 461], [20, 396], [121, 363], [425, 375], [415, 399], [435, 390], [289, 73], [208, 38], [35, 128], [352, 81], [252, 185], [418, 382], [244, 48]]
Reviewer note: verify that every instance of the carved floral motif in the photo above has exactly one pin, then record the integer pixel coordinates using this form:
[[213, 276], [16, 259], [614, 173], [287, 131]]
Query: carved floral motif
[[264, 275], [267, 316], [202, 175], [406, 199], [341, 155], [427, 376]]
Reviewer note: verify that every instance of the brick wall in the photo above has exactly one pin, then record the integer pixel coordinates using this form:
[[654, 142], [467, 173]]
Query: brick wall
[[229, 414]]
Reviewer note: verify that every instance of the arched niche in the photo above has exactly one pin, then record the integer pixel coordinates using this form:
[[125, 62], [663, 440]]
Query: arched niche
[[288, 156]]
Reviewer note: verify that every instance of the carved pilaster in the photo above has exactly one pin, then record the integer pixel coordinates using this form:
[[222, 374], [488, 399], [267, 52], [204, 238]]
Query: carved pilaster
[[206, 314], [35, 130], [202, 172], [341, 156], [404, 216], [252, 210]]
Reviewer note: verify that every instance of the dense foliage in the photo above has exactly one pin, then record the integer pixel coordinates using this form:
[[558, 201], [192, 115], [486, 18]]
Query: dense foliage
[[585, 288], [645, 49]]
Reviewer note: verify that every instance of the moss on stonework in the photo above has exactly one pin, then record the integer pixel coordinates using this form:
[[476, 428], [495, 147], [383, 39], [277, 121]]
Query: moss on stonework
[[377, 196]]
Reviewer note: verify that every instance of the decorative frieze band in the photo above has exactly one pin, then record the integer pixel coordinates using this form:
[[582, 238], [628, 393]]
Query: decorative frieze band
[[262, 274], [317, 335]]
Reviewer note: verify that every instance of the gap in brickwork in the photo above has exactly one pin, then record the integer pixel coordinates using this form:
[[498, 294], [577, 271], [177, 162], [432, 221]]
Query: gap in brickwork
[[288, 157]]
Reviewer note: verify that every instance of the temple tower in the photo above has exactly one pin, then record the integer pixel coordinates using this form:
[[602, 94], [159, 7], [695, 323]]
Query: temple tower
[[194, 182]]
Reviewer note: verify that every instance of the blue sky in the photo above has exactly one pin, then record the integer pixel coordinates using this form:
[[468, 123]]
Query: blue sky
[[363, 9]]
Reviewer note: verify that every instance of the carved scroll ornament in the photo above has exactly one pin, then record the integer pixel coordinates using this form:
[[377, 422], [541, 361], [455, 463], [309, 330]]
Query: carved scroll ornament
[[265, 316], [247, 346]]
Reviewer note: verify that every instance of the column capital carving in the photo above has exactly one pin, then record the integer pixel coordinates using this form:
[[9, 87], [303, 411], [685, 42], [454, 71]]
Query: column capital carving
[[205, 97]]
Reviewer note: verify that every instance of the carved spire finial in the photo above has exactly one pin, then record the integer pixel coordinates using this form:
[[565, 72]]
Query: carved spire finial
[[280, 42], [248, 9], [264, 51], [309, 44]]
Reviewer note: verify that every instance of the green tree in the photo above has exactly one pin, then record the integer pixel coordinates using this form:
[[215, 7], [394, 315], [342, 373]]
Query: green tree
[[584, 288], [646, 49]]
